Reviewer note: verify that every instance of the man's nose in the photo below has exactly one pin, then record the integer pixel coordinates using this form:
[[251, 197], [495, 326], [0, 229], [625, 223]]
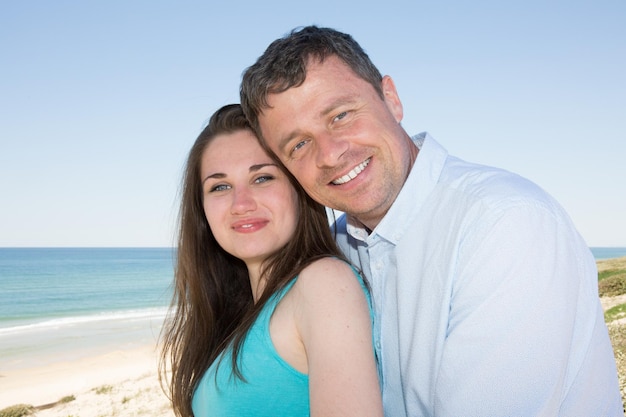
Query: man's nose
[[329, 150]]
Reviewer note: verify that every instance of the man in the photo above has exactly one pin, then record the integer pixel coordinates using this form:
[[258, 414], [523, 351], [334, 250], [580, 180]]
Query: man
[[485, 295]]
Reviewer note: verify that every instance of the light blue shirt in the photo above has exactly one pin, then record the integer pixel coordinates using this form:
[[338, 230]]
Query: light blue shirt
[[486, 298]]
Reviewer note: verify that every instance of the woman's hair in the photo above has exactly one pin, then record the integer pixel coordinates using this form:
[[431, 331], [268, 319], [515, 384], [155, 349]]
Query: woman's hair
[[284, 63], [212, 307]]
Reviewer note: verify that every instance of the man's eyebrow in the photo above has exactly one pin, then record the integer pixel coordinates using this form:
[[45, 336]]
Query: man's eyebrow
[[341, 101], [282, 144]]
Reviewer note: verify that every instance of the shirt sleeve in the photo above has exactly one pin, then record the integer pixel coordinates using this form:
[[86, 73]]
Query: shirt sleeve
[[522, 314]]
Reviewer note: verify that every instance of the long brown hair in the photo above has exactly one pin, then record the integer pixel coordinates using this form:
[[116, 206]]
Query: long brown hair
[[212, 307]]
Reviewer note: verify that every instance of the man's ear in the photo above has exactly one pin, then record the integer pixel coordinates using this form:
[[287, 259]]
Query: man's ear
[[392, 100]]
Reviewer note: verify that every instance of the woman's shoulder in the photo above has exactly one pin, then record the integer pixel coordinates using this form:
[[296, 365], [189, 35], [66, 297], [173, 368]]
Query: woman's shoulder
[[328, 268], [327, 276]]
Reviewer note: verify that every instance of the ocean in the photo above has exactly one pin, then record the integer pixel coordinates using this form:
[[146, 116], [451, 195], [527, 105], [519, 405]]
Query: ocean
[[608, 253], [67, 303]]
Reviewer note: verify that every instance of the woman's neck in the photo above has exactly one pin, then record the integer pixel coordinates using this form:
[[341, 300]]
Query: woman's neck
[[257, 284]]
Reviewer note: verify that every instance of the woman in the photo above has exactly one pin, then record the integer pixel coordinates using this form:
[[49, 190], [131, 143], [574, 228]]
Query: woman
[[267, 317]]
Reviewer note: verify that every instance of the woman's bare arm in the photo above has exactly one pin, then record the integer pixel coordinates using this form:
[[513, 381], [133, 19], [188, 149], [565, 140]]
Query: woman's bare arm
[[333, 320]]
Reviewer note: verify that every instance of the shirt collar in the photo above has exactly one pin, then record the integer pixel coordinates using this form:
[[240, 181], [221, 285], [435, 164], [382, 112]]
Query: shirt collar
[[420, 182]]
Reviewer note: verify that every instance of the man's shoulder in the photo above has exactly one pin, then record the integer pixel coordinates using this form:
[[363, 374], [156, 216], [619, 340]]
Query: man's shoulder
[[490, 184]]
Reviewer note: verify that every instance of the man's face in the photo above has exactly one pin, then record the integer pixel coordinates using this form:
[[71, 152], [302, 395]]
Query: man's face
[[340, 140]]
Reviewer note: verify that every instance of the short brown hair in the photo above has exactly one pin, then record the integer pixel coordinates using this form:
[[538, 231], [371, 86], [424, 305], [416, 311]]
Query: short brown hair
[[284, 62]]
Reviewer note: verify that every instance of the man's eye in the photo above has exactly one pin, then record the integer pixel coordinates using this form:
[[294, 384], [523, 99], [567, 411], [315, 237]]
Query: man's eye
[[299, 145], [341, 115]]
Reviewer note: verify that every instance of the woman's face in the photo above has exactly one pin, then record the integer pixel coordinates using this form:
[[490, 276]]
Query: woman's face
[[249, 203]]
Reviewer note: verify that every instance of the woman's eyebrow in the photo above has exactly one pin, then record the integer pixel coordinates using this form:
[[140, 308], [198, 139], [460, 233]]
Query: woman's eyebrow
[[217, 175], [253, 168], [257, 167]]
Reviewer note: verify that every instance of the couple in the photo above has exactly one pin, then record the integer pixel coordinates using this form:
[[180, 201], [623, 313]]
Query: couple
[[458, 289]]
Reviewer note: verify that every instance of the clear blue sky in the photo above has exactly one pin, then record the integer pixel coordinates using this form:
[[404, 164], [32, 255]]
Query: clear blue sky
[[100, 101]]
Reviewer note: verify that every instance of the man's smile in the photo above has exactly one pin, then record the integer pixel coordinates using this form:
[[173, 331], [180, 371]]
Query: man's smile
[[352, 174]]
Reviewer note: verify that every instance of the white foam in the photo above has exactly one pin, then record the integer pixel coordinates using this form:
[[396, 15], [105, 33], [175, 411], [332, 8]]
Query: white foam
[[63, 322]]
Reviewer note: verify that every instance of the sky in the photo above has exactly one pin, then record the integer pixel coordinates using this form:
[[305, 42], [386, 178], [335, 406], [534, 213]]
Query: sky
[[100, 101]]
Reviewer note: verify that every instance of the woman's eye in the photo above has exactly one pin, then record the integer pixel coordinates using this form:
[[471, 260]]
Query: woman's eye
[[219, 187], [264, 178]]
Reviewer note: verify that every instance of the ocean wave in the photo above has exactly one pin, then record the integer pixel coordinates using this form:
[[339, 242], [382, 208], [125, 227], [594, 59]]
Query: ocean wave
[[156, 313]]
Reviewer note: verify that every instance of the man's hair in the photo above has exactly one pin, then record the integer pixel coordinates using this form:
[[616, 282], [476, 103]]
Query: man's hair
[[284, 63]]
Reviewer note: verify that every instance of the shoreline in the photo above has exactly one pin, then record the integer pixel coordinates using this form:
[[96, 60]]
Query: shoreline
[[68, 338]]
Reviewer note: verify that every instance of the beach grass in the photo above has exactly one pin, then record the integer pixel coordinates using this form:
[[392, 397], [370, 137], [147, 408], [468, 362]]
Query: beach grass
[[67, 399], [612, 287], [612, 277], [615, 313], [103, 389], [17, 410]]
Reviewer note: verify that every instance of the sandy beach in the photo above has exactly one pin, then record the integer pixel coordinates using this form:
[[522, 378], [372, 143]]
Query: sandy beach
[[118, 383]]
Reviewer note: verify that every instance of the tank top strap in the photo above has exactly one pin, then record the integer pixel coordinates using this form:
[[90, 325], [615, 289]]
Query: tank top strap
[[270, 306]]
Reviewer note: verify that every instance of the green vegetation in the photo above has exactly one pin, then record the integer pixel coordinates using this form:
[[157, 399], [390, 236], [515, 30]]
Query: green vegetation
[[612, 277], [612, 283], [67, 399], [618, 340], [104, 389], [610, 273], [614, 313], [17, 410]]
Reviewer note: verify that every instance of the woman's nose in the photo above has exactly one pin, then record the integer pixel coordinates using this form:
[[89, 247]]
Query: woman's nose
[[243, 201]]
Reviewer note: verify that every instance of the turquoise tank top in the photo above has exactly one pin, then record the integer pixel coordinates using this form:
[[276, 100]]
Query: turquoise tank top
[[272, 387]]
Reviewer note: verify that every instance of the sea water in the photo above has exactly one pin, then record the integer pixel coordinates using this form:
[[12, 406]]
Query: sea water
[[64, 303], [608, 253]]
